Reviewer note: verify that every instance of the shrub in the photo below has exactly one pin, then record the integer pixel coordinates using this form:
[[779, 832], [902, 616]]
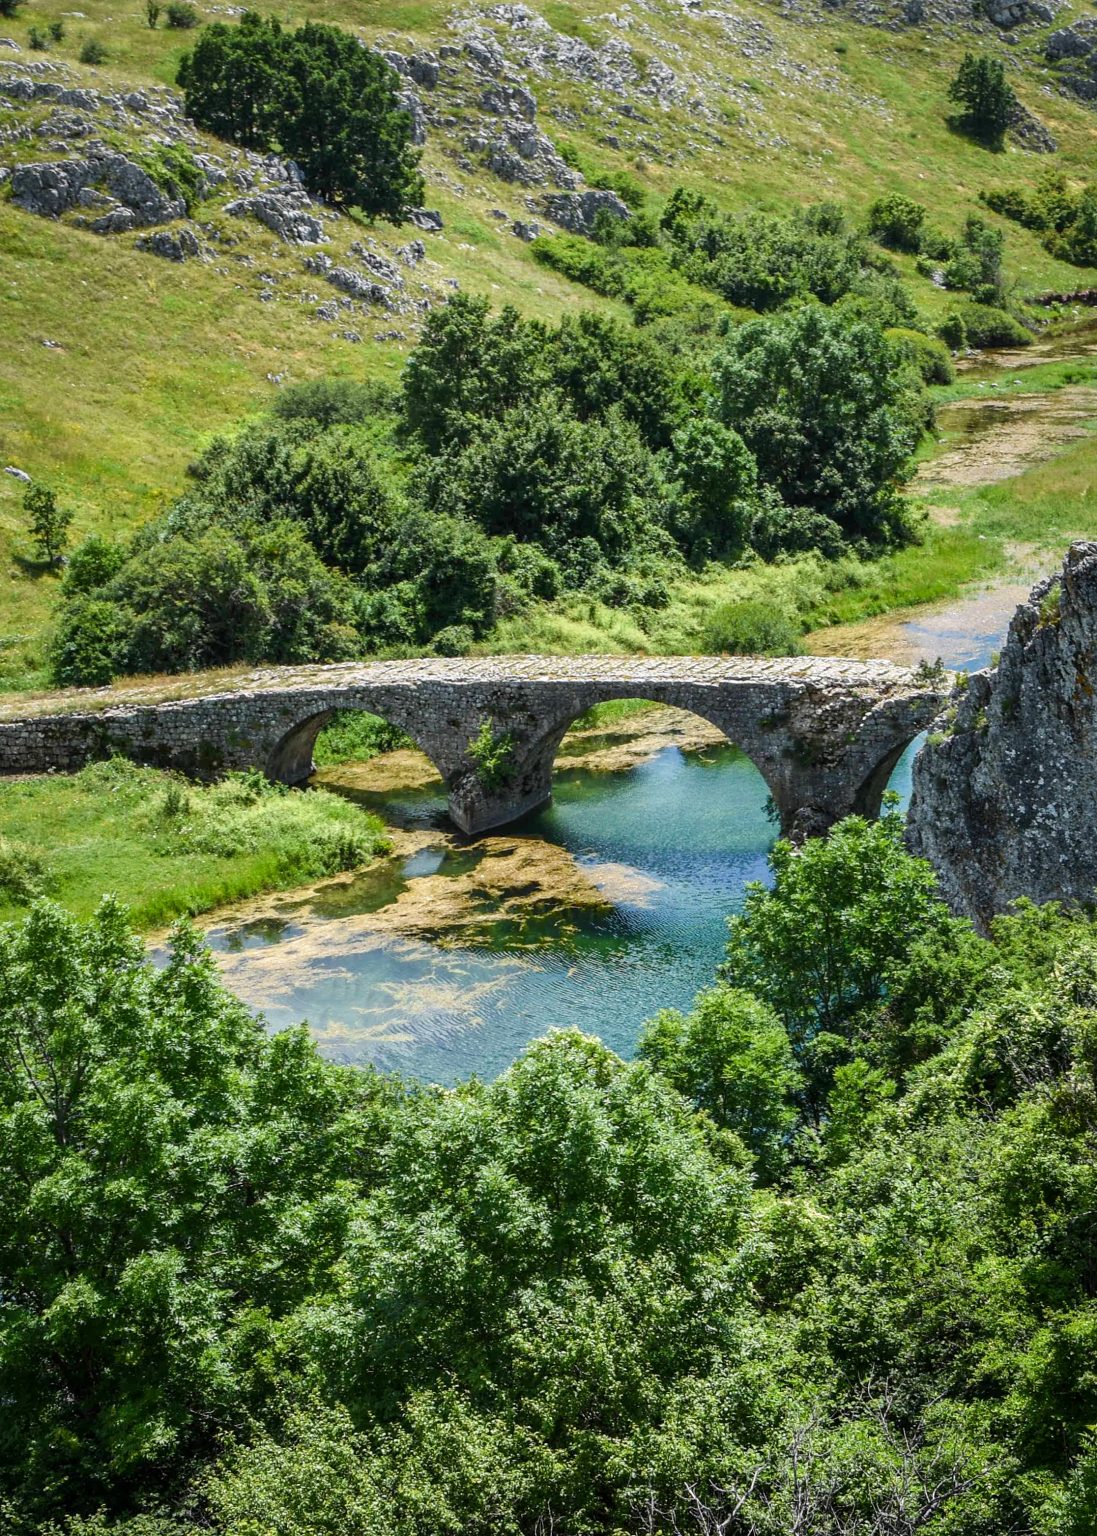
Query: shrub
[[751, 629], [332, 402], [23, 873], [88, 646], [152, 13], [93, 52], [492, 754], [952, 331], [38, 40], [181, 15], [56, 30], [897, 222], [986, 326], [8, 8], [988, 102], [926, 353], [454, 640]]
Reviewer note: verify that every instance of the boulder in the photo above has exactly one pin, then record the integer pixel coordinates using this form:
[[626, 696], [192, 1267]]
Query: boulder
[[1005, 789], [427, 219], [577, 211], [172, 244], [1073, 42]]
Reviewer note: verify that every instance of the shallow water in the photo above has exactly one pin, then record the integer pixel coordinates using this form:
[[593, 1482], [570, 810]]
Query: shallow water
[[672, 842]]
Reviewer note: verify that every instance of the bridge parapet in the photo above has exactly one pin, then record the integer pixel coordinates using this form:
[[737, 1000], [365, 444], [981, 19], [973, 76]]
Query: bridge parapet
[[823, 732]]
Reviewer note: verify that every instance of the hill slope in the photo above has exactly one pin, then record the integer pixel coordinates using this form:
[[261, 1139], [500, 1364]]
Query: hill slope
[[118, 364]]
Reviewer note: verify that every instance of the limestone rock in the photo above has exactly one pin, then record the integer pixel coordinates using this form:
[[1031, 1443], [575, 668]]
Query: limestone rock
[[577, 211], [172, 244], [1073, 42], [427, 219], [1005, 790], [51, 188], [285, 212], [518, 152]]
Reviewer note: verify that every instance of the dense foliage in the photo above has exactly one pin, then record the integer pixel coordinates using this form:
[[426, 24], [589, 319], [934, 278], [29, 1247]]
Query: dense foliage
[[517, 462], [1065, 217], [316, 95], [819, 1262]]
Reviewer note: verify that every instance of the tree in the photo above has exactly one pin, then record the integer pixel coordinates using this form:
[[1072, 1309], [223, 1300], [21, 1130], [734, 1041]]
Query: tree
[[981, 89], [731, 1056], [47, 522], [819, 947], [323, 99], [155, 1150], [829, 418], [469, 367]]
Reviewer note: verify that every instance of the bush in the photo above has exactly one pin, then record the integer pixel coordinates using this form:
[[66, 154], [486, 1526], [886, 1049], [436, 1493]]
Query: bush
[[986, 326], [454, 640], [328, 103], [8, 8], [952, 331], [1066, 219], [24, 874], [332, 402], [353, 736], [751, 629], [492, 755], [89, 644], [181, 15], [897, 222], [93, 52], [988, 102], [926, 353]]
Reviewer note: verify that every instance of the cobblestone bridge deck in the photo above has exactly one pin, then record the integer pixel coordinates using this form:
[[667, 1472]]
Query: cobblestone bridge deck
[[824, 733]]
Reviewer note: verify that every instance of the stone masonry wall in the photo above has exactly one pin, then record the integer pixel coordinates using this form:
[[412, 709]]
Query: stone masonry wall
[[824, 733]]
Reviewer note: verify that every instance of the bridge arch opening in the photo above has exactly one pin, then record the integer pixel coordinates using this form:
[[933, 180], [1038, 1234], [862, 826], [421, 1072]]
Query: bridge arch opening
[[335, 736], [892, 772]]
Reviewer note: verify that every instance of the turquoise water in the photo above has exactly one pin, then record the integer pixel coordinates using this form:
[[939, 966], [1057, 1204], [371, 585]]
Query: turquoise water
[[693, 827]]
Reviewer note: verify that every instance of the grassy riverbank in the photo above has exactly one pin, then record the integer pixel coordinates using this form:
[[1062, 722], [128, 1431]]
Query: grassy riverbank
[[166, 847]]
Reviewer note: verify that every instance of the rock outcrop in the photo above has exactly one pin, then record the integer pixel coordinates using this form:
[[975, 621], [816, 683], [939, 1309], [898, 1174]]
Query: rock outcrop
[[1005, 789], [129, 195]]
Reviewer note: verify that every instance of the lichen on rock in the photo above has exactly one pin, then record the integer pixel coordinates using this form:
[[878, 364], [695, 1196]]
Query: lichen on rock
[[1005, 789]]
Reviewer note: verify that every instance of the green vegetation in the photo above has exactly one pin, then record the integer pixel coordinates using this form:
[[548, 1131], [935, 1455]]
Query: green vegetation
[[492, 754], [822, 1254], [47, 522], [987, 99], [519, 463], [326, 101], [166, 846], [1065, 218], [354, 737]]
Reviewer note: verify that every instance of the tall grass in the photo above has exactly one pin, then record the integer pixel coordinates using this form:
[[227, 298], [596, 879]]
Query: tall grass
[[168, 847]]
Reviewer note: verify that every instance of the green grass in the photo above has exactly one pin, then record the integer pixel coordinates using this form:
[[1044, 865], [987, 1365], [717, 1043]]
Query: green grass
[[166, 847]]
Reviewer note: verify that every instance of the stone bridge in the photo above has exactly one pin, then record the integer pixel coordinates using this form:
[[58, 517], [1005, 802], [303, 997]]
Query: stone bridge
[[824, 733]]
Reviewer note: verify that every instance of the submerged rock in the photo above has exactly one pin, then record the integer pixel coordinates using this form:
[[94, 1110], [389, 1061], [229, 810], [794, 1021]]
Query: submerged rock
[[1005, 790]]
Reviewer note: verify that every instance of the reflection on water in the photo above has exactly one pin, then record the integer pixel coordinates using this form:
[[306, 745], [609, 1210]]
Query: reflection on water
[[671, 843]]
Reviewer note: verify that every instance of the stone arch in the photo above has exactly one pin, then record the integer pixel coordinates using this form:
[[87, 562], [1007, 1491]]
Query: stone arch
[[735, 735], [290, 760], [869, 794]]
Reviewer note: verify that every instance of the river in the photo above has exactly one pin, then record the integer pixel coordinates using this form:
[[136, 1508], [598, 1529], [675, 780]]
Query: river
[[611, 903]]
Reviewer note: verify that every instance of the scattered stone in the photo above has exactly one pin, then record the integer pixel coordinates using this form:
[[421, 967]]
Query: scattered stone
[[348, 280], [412, 253], [1005, 789], [428, 219], [328, 311], [526, 229], [577, 211], [17, 474]]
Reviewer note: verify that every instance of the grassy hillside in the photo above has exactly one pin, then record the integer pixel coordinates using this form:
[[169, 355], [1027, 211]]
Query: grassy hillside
[[146, 359]]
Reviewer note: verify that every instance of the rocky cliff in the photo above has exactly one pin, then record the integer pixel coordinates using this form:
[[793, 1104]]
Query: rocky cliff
[[1005, 790]]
